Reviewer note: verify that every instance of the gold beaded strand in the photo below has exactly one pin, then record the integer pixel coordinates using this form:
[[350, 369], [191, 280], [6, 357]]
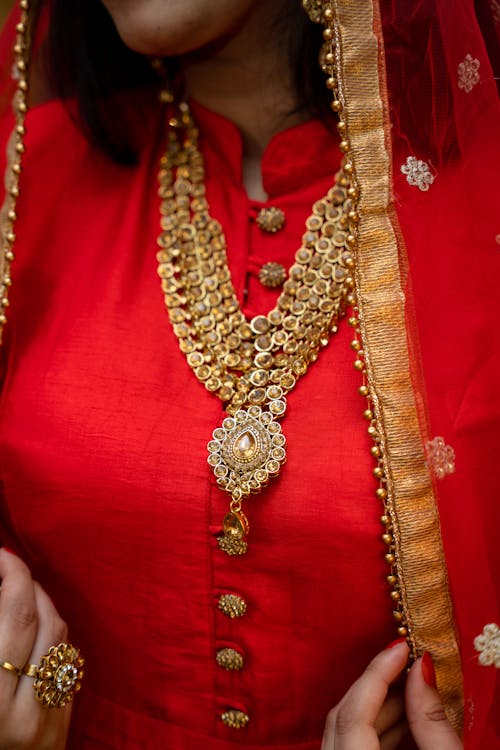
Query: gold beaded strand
[[15, 152]]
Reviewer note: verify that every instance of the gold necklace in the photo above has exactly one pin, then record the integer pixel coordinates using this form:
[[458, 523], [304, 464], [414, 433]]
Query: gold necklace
[[250, 365]]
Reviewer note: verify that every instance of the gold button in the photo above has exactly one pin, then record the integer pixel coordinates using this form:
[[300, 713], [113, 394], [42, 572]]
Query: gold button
[[235, 719], [271, 219], [272, 274], [229, 659], [232, 605]]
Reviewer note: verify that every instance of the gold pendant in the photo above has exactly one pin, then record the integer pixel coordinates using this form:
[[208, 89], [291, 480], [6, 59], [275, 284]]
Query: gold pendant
[[244, 453]]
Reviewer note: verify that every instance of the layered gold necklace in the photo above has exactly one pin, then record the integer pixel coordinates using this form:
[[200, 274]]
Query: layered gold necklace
[[251, 365]]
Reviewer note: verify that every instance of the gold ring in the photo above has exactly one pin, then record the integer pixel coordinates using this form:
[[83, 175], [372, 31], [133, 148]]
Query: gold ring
[[58, 676], [11, 668]]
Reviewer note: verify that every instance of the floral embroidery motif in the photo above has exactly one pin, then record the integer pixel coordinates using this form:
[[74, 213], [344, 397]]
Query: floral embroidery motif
[[488, 645], [467, 72], [417, 173], [440, 457]]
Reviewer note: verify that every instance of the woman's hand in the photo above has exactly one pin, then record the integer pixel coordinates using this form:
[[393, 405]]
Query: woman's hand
[[369, 717], [29, 626]]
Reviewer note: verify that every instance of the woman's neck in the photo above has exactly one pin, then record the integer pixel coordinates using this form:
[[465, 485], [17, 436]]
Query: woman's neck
[[248, 79]]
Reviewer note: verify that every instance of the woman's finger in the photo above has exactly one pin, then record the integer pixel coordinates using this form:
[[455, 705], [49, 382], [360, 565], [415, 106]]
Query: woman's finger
[[392, 739], [424, 710], [18, 619], [52, 630], [351, 724], [391, 713]]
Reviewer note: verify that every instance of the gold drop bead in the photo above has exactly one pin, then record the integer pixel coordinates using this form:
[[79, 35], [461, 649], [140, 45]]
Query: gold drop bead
[[403, 632], [392, 580], [363, 390], [353, 216], [387, 538], [3, 319], [381, 493], [330, 83], [11, 238], [4, 302], [350, 299], [355, 345], [353, 322], [20, 130], [398, 616], [335, 105], [327, 34], [348, 168], [344, 147], [359, 364], [22, 85], [375, 451], [350, 240], [18, 49], [22, 107], [16, 168], [372, 431], [395, 596], [12, 216], [20, 148], [24, 4], [329, 58], [328, 14], [9, 255], [20, 28], [368, 414], [385, 520], [378, 472], [341, 127], [390, 558]]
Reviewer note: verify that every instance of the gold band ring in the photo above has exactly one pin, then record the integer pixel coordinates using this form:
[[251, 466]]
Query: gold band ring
[[10, 668], [58, 676]]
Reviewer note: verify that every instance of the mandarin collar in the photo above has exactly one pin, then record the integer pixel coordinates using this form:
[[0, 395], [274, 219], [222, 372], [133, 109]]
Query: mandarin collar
[[296, 156]]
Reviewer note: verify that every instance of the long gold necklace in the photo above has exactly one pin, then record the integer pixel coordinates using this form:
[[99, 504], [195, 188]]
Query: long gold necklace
[[250, 365]]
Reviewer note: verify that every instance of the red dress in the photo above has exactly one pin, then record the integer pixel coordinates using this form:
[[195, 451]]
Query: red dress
[[106, 493]]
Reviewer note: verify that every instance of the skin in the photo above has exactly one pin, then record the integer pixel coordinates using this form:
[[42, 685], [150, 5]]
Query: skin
[[232, 67]]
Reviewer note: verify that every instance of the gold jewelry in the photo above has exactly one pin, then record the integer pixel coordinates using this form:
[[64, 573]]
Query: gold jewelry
[[10, 668], [272, 274], [250, 365], [58, 677]]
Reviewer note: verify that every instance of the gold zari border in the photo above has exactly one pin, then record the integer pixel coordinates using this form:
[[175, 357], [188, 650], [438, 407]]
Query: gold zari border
[[419, 553]]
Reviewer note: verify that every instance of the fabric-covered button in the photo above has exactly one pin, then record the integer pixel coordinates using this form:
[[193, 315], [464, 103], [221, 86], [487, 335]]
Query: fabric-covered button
[[270, 219], [232, 605], [235, 719], [230, 659], [272, 274]]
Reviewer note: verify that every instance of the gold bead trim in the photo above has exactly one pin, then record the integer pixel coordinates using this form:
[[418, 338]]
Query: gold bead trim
[[232, 605], [230, 659], [16, 148], [235, 719]]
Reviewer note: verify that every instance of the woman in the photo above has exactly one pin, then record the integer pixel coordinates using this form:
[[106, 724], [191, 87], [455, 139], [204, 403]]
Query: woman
[[197, 630]]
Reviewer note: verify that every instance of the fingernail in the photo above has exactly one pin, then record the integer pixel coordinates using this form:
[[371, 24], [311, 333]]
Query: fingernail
[[395, 643], [428, 671]]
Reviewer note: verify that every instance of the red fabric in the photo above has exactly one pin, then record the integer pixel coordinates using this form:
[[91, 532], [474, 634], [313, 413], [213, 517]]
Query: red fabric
[[107, 493]]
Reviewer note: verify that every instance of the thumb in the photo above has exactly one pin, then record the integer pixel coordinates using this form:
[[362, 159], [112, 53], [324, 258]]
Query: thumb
[[425, 713]]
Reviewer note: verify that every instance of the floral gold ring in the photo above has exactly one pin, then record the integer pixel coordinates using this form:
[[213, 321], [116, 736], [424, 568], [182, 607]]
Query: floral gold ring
[[58, 676]]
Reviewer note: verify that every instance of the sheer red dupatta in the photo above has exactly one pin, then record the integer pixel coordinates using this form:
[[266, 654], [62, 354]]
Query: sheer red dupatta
[[442, 63]]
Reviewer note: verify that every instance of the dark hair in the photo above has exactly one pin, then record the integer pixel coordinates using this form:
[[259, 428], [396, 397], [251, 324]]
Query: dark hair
[[87, 63]]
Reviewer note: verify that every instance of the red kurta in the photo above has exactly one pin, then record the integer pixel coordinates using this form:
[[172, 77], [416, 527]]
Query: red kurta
[[106, 491]]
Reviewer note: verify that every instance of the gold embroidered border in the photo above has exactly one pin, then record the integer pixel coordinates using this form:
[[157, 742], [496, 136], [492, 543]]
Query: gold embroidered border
[[419, 553]]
